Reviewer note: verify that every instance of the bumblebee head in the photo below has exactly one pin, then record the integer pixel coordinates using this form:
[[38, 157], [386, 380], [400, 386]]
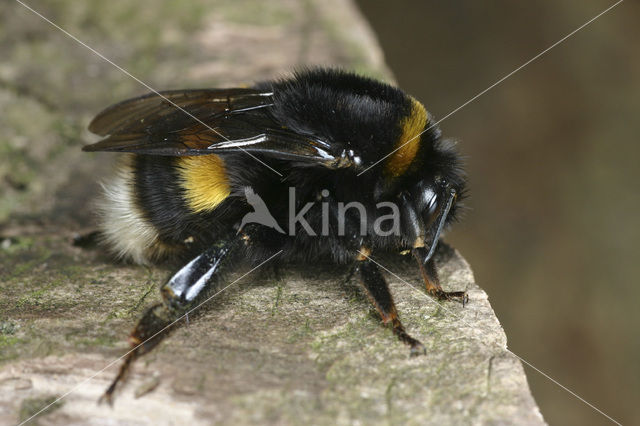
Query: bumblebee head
[[426, 208], [428, 190]]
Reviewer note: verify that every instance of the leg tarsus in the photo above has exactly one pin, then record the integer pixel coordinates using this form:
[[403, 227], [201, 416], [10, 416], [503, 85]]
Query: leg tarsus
[[416, 347], [152, 328], [432, 282], [450, 295]]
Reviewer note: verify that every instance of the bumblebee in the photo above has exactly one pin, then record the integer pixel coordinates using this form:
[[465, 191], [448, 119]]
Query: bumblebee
[[307, 167]]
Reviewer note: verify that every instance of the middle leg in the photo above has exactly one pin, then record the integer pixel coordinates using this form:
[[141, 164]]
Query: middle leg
[[379, 294]]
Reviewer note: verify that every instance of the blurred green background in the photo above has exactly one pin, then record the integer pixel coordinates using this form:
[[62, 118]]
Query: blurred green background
[[552, 229]]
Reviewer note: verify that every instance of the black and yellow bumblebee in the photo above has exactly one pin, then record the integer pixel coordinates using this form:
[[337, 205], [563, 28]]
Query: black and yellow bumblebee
[[323, 149]]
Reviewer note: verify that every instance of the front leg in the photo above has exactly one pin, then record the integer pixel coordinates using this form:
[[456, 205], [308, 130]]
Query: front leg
[[201, 276], [379, 294], [431, 280]]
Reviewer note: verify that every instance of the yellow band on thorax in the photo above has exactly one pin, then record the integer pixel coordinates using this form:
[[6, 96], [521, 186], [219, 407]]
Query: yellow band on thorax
[[409, 141]]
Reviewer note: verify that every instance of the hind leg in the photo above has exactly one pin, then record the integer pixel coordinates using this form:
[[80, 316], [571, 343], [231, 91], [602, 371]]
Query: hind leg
[[189, 286]]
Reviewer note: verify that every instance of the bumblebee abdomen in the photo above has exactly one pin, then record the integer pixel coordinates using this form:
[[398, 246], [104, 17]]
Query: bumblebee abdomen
[[124, 223], [157, 207]]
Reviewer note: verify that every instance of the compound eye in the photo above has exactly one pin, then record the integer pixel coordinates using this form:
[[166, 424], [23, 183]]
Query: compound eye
[[428, 200]]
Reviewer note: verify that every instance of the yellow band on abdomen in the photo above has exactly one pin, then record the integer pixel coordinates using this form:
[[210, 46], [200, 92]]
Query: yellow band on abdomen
[[204, 179]]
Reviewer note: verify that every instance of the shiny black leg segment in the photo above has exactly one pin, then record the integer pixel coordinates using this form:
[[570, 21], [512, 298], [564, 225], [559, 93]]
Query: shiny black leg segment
[[380, 296], [200, 277], [431, 280]]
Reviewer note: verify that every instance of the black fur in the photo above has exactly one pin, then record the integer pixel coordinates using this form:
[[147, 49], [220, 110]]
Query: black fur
[[343, 112], [347, 111]]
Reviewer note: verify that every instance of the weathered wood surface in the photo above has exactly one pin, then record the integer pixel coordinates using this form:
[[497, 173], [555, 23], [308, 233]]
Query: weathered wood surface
[[303, 348]]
